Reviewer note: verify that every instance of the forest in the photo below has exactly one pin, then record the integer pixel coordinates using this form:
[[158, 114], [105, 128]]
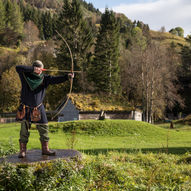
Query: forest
[[120, 59]]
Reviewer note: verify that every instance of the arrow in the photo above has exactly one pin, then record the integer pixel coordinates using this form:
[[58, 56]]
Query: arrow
[[66, 71]]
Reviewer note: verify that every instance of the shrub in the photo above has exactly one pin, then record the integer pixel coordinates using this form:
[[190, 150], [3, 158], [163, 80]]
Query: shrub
[[56, 175], [114, 171], [7, 150]]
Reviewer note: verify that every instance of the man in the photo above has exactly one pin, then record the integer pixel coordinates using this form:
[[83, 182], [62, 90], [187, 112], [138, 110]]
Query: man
[[31, 109]]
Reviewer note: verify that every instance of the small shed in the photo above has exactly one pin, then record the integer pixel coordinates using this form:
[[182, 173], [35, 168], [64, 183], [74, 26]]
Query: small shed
[[71, 113]]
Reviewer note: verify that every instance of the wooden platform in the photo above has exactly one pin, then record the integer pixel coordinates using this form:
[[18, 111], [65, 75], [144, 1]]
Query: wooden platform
[[36, 156]]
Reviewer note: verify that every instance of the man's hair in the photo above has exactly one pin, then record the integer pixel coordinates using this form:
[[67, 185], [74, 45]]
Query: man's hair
[[38, 63]]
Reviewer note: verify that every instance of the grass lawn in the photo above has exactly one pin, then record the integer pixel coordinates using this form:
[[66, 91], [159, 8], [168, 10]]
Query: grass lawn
[[111, 159], [155, 138]]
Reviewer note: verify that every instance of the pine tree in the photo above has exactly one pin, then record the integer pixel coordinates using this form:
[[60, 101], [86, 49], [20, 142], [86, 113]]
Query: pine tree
[[47, 25], [184, 75], [186, 59], [17, 19], [2, 16], [105, 69], [40, 24], [78, 35], [35, 15], [8, 9], [54, 23], [14, 19]]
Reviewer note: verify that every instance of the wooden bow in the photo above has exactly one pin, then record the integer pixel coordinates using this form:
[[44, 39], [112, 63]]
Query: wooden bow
[[71, 79]]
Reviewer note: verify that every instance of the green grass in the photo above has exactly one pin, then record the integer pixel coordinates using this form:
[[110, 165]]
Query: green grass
[[114, 157], [166, 38], [93, 136], [114, 171]]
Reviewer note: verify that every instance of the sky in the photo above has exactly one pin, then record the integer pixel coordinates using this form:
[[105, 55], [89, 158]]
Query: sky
[[155, 13]]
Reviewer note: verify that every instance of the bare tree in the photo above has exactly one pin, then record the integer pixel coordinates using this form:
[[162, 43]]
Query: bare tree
[[31, 32], [152, 74]]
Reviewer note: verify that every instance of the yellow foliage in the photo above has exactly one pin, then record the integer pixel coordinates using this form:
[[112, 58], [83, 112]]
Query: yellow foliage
[[10, 90]]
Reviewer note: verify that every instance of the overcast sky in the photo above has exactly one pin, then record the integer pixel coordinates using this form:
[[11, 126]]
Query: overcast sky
[[155, 13]]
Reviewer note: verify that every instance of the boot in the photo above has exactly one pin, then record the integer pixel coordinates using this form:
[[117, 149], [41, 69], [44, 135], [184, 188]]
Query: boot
[[23, 149], [45, 149]]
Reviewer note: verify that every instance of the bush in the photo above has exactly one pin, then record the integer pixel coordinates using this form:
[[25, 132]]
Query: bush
[[56, 175], [16, 178], [7, 150], [115, 171]]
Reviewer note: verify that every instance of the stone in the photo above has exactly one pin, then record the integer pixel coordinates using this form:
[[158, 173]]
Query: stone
[[35, 155]]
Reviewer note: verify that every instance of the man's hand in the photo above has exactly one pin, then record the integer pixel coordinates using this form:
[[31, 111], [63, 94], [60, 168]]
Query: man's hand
[[37, 70], [71, 75]]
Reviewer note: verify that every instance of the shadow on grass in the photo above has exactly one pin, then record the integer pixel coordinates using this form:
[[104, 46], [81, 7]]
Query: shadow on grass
[[171, 150]]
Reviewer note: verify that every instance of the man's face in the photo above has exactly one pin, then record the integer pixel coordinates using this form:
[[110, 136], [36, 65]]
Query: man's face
[[38, 70], [41, 69], [38, 66]]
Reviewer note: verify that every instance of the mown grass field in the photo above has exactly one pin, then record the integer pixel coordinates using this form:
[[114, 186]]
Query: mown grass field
[[103, 136], [118, 155]]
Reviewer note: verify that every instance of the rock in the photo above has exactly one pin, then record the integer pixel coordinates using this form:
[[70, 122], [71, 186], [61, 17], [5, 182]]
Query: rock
[[36, 156]]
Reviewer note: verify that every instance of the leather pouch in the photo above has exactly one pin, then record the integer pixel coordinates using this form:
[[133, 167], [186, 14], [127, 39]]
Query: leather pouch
[[35, 115], [20, 113]]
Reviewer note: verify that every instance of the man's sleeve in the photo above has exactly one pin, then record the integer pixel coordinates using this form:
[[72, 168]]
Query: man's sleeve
[[50, 80], [22, 68]]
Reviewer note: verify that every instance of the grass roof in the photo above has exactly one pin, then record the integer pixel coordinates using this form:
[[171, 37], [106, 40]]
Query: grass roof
[[95, 102]]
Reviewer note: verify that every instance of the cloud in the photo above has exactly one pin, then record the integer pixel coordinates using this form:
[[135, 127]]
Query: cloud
[[158, 13]]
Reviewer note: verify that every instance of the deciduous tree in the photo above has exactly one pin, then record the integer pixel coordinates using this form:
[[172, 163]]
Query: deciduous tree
[[10, 90]]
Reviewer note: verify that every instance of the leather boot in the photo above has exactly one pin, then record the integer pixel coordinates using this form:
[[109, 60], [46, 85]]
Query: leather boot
[[45, 149], [23, 149]]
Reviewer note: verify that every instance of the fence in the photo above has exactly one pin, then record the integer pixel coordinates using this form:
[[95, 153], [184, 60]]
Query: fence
[[7, 117]]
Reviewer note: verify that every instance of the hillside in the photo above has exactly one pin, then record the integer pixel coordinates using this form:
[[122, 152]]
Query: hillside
[[57, 4], [109, 58], [166, 38], [20, 54]]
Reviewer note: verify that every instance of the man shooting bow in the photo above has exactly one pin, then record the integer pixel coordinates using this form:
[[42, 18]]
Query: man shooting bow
[[31, 110]]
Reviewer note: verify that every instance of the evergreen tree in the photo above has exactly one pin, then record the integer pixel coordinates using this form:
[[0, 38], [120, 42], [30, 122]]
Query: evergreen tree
[[184, 75], [17, 19], [13, 31], [54, 23], [40, 24], [35, 15], [8, 9], [27, 11], [14, 19], [78, 35], [2, 16], [105, 69], [47, 25]]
